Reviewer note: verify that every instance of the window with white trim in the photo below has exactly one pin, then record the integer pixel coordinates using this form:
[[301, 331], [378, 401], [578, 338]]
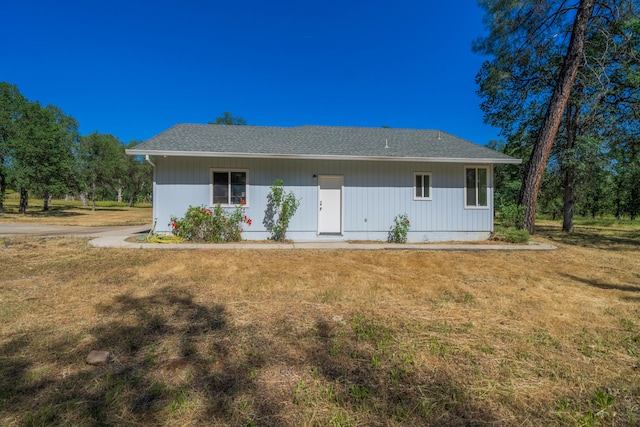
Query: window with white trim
[[476, 187], [422, 186], [229, 187]]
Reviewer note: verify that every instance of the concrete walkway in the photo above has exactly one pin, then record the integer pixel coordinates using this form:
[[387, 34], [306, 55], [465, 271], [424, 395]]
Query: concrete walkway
[[115, 237]]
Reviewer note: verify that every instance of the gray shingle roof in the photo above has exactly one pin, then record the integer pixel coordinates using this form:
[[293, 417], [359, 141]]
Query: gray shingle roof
[[316, 142]]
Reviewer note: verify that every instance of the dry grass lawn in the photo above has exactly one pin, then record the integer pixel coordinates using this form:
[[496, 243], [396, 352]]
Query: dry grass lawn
[[317, 338], [73, 213]]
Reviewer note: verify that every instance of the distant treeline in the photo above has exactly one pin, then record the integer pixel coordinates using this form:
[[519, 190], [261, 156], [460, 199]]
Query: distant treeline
[[43, 155]]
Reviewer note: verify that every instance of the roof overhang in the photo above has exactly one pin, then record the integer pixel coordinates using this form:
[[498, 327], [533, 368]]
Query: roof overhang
[[134, 152]]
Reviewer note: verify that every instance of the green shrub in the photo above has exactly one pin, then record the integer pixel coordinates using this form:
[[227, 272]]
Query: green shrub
[[281, 207], [201, 224], [513, 235], [399, 229], [510, 235], [511, 215]]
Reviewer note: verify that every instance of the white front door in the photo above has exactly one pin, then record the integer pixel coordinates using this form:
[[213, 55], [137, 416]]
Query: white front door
[[330, 204]]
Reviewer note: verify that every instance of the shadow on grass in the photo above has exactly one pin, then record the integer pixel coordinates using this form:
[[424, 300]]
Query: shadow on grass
[[362, 368], [101, 209], [59, 211], [177, 361], [603, 285], [599, 238], [169, 354], [54, 211]]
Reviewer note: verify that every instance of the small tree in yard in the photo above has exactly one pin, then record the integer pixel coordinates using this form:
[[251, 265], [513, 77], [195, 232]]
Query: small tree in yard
[[281, 207], [399, 229]]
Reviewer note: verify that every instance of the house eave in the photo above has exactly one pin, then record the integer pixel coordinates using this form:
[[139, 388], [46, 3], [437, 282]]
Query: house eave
[[160, 153]]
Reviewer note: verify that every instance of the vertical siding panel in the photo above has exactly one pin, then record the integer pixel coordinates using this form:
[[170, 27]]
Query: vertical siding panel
[[364, 194], [452, 197], [347, 196], [440, 182], [352, 200], [436, 182], [390, 192], [457, 201], [309, 216], [387, 196], [448, 194], [295, 183], [404, 178], [457, 205], [382, 202], [357, 199], [305, 219], [375, 208], [362, 197], [452, 211], [429, 207]]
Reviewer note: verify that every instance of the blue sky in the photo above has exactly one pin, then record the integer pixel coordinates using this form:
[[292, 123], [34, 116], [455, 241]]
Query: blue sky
[[134, 68]]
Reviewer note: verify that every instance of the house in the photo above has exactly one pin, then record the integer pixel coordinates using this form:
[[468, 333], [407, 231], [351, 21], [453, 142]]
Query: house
[[351, 182]]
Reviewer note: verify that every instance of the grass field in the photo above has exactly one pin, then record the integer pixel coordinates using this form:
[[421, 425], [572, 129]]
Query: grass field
[[317, 338], [71, 212], [323, 338]]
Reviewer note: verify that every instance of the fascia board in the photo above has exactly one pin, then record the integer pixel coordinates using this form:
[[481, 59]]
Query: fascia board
[[160, 153]]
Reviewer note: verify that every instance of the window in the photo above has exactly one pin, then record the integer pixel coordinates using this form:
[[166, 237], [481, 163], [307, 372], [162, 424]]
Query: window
[[476, 187], [422, 186], [229, 187]]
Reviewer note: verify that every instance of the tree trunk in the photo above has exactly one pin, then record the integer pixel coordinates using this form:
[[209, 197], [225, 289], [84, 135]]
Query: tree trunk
[[3, 183], [24, 200], [84, 197], [569, 204], [45, 202], [549, 129], [569, 167], [3, 191], [93, 196]]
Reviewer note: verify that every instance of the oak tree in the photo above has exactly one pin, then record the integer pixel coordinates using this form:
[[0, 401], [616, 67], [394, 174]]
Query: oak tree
[[102, 163], [11, 105]]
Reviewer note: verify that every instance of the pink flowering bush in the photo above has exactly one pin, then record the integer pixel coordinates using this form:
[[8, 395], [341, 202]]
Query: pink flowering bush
[[201, 224]]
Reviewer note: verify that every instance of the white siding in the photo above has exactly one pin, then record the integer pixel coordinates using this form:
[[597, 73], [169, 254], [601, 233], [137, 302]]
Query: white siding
[[374, 193]]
